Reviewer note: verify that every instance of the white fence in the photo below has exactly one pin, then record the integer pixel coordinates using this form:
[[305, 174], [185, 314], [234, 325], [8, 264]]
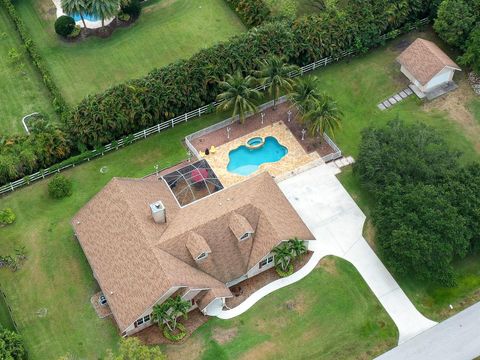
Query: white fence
[[179, 119]]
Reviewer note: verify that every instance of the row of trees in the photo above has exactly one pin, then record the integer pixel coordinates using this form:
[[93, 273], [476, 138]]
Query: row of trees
[[461, 31], [317, 111], [426, 209], [188, 84]]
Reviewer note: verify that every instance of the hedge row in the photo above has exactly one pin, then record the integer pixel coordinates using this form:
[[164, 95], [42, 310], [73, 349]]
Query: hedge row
[[58, 101], [251, 12], [188, 84]]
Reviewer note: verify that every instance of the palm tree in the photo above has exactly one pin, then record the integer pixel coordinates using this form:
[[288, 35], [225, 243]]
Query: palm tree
[[297, 247], [79, 7], [305, 90], [169, 311], [275, 73], [322, 116], [238, 94], [283, 256], [104, 9]]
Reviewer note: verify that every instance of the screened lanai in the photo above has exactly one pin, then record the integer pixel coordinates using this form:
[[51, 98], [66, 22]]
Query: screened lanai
[[193, 182]]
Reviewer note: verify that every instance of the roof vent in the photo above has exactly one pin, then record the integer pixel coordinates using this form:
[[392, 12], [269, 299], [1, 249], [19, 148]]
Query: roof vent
[[158, 212]]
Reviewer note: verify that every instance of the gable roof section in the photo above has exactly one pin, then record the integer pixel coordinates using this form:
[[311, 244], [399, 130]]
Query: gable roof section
[[196, 244], [239, 225], [424, 59]]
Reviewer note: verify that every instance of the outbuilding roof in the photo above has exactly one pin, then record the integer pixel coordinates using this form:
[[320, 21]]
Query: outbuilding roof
[[424, 59], [136, 260]]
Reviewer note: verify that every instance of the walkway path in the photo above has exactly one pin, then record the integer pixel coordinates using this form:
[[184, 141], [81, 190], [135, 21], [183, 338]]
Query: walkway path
[[456, 338], [392, 100], [277, 284], [337, 223]]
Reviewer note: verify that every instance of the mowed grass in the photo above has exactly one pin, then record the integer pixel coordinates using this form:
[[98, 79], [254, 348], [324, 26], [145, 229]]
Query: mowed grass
[[330, 314], [50, 295], [166, 31], [21, 89], [360, 83]]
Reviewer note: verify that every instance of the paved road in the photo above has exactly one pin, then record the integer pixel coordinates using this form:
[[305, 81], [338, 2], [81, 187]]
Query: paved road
[[457, 338], [337, 223]]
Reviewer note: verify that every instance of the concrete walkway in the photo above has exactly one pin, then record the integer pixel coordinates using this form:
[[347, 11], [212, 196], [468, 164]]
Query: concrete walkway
[[277, 284], [337, 223], [457, 338]]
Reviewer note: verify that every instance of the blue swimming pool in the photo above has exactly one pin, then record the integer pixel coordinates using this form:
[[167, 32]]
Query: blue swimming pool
[[87, 17], [244, 161]]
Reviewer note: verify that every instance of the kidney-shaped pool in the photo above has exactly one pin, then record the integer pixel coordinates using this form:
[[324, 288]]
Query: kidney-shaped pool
[[244, 161]]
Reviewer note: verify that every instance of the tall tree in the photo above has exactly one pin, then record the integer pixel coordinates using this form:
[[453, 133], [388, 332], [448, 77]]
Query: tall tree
[[104, 9], [169, 311], [322, 116], [305, 90], [452, 27], [79, 7], [275, 73], [238, 94]]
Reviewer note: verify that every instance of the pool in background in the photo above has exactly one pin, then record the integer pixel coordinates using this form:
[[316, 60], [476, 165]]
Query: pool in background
[[244, 161], [87, 17]]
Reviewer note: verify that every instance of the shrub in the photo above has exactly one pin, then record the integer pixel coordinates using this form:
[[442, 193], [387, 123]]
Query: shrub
[[64, 25], [11, 346], [471, 58], [251, 12], [452, 28], [181, 333], [59, 187], [76, 31], [133, 8], [7, 216], [286, 273], [123, 16]]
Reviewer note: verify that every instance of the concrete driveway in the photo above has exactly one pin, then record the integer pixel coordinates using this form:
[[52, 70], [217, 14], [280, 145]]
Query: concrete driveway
[[337, 222]]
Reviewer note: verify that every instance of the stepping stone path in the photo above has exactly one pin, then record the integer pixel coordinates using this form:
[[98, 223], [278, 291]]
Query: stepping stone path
[[344, 161], [395, 99]]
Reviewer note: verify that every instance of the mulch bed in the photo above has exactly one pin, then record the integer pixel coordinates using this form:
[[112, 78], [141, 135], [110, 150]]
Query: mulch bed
[[153, 335], [249, 286], [104, 32], [254, 123]]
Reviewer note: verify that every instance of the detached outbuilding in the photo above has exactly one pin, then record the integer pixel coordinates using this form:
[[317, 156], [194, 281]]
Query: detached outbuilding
[[428, 68]]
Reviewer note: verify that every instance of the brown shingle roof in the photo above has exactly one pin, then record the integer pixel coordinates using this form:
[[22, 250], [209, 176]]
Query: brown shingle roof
[[196, 244], [424, 59], [139, 260], [239, 225]]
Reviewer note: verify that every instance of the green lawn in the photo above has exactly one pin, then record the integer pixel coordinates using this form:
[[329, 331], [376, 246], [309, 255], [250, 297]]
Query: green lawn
[[330, 314], [57, 277], [359, 84], [166, 31], [21, 89], [475, 108]]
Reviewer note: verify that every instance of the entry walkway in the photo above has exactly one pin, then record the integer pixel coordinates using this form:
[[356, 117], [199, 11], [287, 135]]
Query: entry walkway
[[337, 223], [456, 338], [277, 284]]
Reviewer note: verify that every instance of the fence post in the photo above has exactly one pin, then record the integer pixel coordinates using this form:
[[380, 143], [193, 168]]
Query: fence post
[[144, 134], [158, 127], [186, 117], [13, 188], [173, 124]]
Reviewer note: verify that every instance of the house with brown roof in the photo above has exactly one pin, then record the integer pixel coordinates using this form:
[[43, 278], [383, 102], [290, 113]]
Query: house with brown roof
[[426, 66], [143, 247]]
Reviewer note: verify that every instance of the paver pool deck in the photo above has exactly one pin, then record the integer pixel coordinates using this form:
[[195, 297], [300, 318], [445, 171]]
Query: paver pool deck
[[295, 158]]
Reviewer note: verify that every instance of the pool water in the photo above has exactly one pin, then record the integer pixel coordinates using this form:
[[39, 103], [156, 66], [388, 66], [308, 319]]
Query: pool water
[[244, 161], [87, 17]]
